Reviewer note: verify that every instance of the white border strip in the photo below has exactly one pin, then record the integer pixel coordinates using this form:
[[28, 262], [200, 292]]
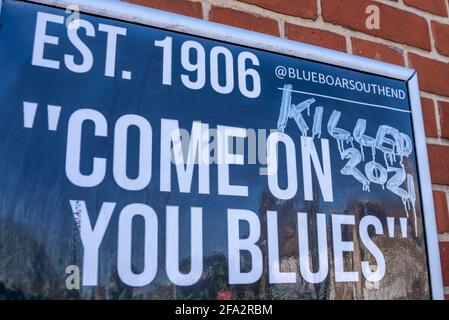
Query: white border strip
[[346, 100], [430, 226]]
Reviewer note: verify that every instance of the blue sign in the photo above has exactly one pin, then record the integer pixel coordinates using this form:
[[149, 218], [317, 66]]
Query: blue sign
[[142, 163]]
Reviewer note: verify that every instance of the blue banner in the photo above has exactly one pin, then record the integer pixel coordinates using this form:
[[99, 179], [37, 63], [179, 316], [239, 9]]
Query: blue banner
[[141, 163]]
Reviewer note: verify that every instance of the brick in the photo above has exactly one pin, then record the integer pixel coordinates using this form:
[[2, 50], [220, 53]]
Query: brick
[[439, 166], [440, 33], [395, 24], [433, 6], [446, 296], [433, 75], [317, 37], [244, 20], [184, 7], [303, 8], [444, 255], [441, 211], [430, 122], [372, 50], [443, 109]]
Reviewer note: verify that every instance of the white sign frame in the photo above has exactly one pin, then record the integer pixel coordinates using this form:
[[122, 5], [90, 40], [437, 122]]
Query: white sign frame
[[155, 18]]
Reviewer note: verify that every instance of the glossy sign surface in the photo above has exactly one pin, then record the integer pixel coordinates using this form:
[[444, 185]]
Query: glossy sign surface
[[141, 163]]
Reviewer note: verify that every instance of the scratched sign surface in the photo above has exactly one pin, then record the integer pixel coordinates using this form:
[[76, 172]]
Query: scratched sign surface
[[142, 163]]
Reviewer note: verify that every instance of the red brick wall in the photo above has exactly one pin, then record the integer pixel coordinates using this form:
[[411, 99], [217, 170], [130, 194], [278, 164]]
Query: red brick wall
[[413, 33]]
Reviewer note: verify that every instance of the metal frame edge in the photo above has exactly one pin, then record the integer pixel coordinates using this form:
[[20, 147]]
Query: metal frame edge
[[156, 18], [431, 234]]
